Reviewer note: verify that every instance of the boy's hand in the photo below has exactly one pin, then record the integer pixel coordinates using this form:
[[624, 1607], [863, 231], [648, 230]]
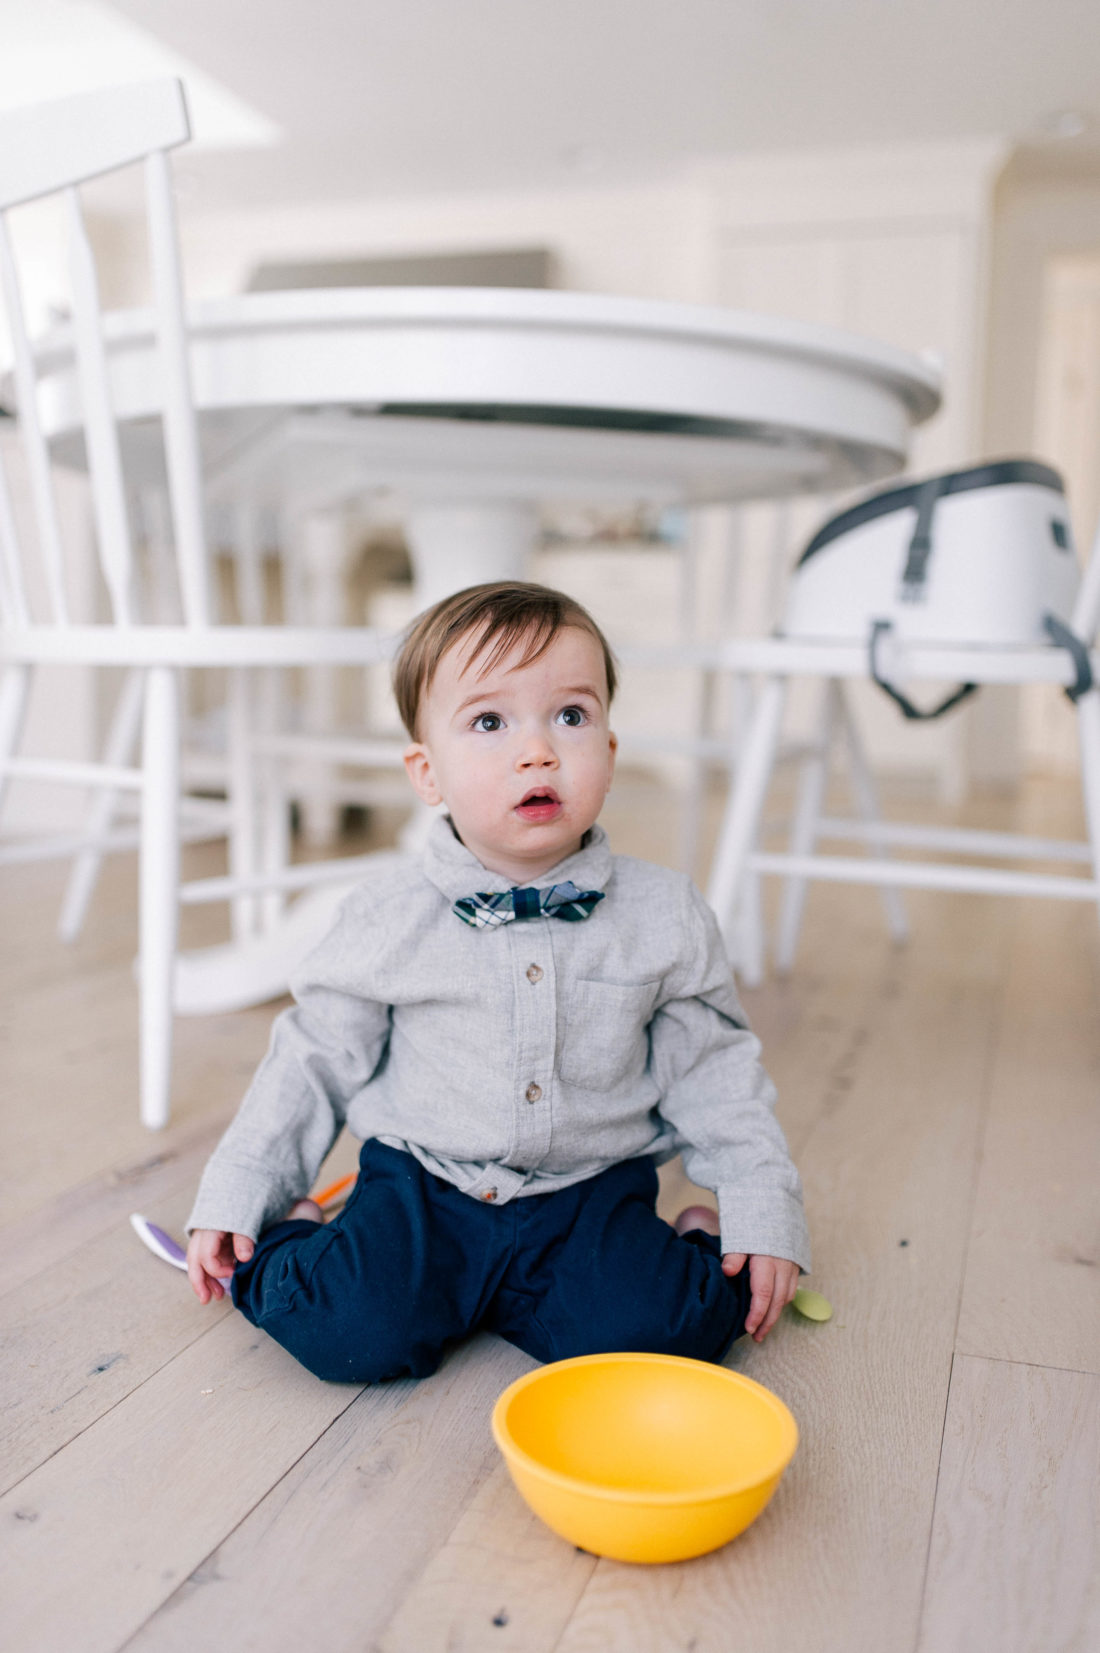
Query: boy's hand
[[211, 1256], [774, 1282]]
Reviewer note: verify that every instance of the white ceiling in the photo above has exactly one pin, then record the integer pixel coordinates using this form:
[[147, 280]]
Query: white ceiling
[[54, 47], [398, 97]]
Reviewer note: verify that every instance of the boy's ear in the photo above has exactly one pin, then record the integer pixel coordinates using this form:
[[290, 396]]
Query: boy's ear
[[418, 767]]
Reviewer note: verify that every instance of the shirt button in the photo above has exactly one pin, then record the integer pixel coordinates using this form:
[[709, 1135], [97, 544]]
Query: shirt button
[[490, 1195], [533, 1093], [534, 972]]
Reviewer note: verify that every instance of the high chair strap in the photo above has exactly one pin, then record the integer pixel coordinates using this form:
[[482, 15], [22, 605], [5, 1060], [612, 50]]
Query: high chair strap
[[908, 707], [1060, 633]]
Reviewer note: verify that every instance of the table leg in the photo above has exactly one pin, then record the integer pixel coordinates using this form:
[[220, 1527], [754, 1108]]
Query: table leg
[[460, 544]]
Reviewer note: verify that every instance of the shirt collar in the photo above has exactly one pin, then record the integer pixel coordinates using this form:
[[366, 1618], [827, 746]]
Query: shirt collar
[[449, 865]]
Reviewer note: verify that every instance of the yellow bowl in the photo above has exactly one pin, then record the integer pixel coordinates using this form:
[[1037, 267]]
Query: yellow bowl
[[644, 1457]]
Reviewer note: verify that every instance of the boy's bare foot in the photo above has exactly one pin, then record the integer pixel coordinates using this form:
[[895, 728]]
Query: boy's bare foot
[[697, 1216], [305, 1211]]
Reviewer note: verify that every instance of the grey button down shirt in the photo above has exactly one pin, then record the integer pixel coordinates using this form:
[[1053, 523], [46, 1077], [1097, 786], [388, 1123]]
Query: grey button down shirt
[[519, 1059]]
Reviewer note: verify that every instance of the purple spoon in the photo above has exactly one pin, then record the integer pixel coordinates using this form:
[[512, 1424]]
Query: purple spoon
[[160, 1244]]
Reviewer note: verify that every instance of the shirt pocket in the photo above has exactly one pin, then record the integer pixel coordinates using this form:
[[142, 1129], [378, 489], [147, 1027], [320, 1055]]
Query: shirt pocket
[[603, 1039]]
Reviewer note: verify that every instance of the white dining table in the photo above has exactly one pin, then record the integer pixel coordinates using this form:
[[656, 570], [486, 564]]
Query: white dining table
[[476, 406]]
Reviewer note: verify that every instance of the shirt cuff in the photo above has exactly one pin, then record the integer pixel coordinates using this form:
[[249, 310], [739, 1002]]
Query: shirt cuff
[[234, 1199], [764, 1226]]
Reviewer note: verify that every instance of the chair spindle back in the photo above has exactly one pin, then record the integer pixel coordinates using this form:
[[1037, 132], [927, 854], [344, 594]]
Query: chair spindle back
[[52, 150]]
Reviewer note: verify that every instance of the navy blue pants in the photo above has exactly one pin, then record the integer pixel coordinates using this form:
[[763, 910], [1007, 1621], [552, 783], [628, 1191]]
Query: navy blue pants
[[410, 1265]]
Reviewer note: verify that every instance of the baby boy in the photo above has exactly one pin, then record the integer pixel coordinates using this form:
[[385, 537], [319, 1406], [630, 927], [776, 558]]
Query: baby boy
[[520, 1026]]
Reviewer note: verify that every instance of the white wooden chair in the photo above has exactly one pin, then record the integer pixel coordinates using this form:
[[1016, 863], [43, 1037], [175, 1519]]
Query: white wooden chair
[[298, 493], [51, 150], [1066, 657]]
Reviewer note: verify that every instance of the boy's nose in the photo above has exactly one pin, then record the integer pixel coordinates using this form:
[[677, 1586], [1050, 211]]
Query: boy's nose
[[536, 752]]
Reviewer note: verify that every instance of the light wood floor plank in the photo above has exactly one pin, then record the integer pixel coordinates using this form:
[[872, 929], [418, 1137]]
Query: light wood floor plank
[[80, 1338], [68, 1042], [1033, 1270], [329, 1553], [70, 1071], [502, 1581], [1014, 1565], [47, 1237], [99, 1536]]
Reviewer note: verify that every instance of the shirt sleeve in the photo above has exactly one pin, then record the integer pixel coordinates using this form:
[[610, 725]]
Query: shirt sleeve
[[720, 1101], [323, 1050]]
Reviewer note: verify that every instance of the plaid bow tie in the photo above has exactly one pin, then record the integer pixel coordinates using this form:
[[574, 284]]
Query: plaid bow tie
[[559, 901]]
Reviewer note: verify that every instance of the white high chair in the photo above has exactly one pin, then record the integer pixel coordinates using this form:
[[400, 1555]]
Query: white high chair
[[1065, 657], [51, 150]]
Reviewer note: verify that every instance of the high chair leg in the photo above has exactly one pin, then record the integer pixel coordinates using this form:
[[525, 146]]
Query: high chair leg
[[745, 801], [865, 794], [1088, 734], [807, 815]]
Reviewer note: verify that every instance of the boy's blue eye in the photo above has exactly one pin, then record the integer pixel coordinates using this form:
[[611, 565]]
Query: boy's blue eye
[[488, 723], [572, 717]]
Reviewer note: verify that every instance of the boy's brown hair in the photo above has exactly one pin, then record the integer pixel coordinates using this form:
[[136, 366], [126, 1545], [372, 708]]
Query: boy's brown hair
[[502, 614]]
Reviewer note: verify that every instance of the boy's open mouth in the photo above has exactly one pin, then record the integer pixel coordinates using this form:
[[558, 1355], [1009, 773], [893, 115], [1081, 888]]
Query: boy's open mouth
[[541, 804]]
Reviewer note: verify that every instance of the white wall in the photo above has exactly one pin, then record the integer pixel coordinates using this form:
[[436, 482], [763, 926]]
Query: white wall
[[1037, 218], [645, 241], [1044, 218], [1066, 427], [1066, 432]]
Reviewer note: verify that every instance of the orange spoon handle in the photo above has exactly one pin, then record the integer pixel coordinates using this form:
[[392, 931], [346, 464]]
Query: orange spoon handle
[[327, 1195]]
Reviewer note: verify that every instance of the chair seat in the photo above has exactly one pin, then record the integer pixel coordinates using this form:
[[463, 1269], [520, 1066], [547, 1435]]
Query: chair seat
[[784, 656], [790, 656]]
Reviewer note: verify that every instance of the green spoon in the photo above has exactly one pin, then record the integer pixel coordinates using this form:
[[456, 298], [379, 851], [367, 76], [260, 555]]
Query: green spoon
[[812, 1304]]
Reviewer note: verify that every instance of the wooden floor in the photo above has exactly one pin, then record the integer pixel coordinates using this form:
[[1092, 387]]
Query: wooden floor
[[173, 1481]]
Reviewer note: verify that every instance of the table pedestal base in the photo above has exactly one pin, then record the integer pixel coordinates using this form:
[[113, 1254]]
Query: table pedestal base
[[456, 545]]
